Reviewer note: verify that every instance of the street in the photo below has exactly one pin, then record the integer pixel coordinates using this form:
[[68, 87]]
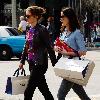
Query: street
[[7, 68]]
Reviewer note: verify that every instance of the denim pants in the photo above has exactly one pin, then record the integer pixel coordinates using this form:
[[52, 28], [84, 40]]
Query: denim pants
[[37, 79], [65, 88]]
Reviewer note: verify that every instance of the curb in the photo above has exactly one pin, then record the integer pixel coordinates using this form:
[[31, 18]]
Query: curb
[[92, 48]]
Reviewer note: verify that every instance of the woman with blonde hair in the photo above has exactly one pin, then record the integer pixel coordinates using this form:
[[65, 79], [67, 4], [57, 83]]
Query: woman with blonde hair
[[36, 47]]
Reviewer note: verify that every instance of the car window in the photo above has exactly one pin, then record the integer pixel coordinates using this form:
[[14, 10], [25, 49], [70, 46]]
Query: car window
[[12, 31], [4, 33], [19, 32]]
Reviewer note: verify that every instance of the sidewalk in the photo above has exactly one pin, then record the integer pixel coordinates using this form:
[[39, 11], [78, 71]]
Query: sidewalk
[[20, 97], [92, 88]]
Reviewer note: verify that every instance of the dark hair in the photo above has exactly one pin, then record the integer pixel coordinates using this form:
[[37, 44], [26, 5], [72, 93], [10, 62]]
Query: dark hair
[[35, 10], [73, 21]]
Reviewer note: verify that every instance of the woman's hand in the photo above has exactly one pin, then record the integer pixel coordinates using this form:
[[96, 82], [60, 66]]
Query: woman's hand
[[63, 51], [60, 50], [20, 66], [57, 49], [82, 53]]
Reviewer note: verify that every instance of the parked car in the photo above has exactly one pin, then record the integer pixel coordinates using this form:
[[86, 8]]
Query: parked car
[[11, 44]]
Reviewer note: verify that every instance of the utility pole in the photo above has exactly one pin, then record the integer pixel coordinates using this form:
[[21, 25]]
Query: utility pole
[[80, 6], [14, 23]]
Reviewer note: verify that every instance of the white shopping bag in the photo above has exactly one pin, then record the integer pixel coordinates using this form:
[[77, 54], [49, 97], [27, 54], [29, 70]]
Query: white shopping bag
[[75, 70], [16, 85]]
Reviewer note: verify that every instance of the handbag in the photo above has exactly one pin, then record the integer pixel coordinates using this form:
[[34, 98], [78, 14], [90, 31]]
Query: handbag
[[17, 84], [75, 70], [62, 45]]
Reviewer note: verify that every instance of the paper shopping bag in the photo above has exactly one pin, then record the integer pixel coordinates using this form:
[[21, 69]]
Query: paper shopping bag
[[16, 85], [88, 73], [75, 70]]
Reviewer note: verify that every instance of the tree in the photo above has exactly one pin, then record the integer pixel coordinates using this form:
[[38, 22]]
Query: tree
[[89, 4], [88, 8]]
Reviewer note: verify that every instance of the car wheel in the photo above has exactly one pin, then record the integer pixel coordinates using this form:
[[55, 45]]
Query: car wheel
[[5, 53]]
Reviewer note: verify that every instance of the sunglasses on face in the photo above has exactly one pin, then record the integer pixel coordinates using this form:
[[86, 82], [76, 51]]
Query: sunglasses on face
[[28, 16]]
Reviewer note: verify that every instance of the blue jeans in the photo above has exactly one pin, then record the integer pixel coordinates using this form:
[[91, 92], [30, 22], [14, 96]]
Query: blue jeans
[[65, 88]]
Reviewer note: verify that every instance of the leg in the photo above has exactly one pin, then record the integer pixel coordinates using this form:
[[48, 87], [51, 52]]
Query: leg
[[64, 89], [43, 87], [32, 83], [79, 90]]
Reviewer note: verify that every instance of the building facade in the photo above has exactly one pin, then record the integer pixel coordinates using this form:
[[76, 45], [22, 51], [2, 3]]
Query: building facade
[[51, 5]]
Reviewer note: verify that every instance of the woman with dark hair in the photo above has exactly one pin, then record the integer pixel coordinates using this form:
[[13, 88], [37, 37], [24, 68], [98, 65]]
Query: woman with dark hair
[[72, 36], [36, 47]]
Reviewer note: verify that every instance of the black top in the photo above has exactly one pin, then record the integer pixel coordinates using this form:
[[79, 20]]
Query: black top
[[42, 48]]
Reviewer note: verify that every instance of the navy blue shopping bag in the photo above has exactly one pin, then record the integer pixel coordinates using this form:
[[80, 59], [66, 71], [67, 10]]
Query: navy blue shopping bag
[[8, 86]]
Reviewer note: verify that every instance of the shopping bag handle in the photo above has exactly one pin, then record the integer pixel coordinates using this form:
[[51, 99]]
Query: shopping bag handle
[[23, 72], [78, 54], [17, 72]]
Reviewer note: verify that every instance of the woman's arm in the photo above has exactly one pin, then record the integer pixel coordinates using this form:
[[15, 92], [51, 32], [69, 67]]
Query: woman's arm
[[44, 35], [64, 52], [24, 53]]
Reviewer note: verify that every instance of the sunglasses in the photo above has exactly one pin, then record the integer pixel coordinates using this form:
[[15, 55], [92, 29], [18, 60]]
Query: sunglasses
[[28, 16]]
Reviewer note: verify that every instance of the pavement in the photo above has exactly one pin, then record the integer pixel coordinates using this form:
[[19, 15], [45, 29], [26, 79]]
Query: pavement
[[20, 97], [92, 88]]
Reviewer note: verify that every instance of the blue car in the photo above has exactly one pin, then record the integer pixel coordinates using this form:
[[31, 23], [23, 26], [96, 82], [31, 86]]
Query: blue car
[[11, 44]]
